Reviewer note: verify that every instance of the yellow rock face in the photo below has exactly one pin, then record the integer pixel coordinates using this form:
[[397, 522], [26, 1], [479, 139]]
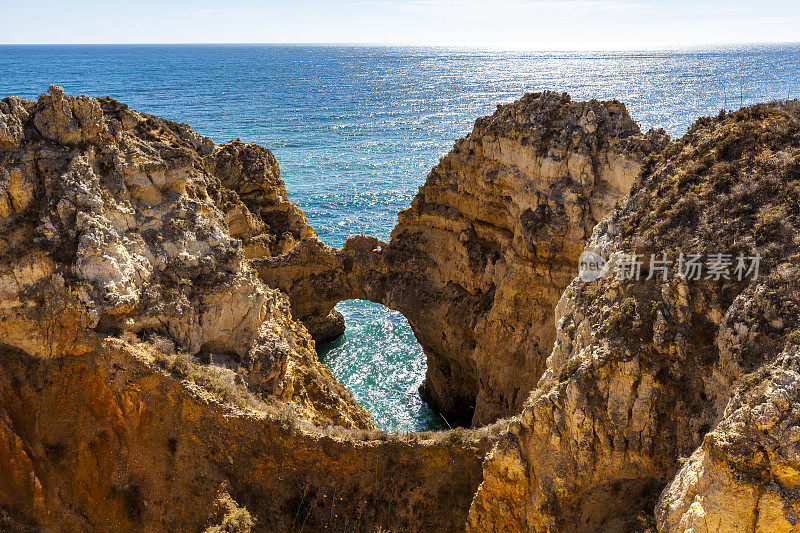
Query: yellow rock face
[[154, 375], [647, 373], [150, 380], [478, 261]]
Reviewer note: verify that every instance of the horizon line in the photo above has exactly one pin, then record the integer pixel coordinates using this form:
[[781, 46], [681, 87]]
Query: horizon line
[[533, 47]]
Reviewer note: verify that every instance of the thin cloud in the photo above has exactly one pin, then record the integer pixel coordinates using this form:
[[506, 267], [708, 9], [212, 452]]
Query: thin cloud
[[453, 7], [230, 13]]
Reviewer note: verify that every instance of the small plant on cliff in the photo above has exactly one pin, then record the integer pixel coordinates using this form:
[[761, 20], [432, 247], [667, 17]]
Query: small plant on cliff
[[461, 437], [162, 344], [238, 520], [645, 522], [624, 316], [288, 419], [769, 224]]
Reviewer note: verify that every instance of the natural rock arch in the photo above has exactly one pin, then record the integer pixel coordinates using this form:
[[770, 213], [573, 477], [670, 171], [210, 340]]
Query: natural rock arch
[[479, 260], [115, 223]]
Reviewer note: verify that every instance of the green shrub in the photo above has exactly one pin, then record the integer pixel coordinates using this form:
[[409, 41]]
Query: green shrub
[[461, 437], [238, 520], [769, 223]]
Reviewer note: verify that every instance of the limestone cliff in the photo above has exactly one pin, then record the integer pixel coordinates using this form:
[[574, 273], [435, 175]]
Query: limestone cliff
[[109, 441], [115, 222], [495, 235], [149, 379], [645, 374], [153, 374], [479, 260]]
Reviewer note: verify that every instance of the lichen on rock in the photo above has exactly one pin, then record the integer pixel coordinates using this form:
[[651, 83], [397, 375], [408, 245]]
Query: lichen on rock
[[116, 222]]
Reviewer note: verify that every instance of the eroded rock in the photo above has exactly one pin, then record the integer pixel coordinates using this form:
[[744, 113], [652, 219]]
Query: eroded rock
[[119, 223], [645, 373], [149, 378], [153, 376], [479, 260]]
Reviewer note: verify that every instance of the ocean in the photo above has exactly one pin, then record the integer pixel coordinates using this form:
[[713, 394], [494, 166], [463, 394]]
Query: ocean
[[357, 128]]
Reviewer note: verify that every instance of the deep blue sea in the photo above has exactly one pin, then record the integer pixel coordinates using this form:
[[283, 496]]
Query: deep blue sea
[[356, 130]]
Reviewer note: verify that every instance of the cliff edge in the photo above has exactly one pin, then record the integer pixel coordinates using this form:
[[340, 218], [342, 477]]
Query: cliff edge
[[149, 379], [669, 398], [154, 374], [478, 261]]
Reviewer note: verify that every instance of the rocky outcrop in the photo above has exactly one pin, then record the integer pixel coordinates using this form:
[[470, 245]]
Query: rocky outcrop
[[744, 475], [109, 441], [153, 375], [119, 223], [479, 260], [647, 373], [149, 379], [263, 218], [498, 226]]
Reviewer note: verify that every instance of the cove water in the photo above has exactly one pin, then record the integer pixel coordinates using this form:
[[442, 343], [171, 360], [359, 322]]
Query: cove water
[[356, 130]]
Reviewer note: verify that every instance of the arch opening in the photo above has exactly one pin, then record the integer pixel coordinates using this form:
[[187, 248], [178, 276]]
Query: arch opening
[[382, 364]]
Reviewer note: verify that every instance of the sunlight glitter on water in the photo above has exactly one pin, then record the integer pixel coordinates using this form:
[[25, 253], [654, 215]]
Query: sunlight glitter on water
[[380, 362], [357, 129]]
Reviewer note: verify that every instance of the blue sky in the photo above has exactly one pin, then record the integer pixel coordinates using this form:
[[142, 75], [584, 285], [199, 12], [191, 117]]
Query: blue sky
[[537, 24]]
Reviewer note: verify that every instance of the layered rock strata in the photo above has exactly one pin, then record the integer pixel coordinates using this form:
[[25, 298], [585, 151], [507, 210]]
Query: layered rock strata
[[149, 379], [109, 441], [479, 260], [675, 383], [153, 375]]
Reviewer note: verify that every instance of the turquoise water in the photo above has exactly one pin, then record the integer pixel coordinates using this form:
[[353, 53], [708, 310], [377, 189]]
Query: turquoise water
[[379, 359], [356, 130]]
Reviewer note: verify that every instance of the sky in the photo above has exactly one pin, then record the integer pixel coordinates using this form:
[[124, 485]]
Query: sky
[[524, 24]]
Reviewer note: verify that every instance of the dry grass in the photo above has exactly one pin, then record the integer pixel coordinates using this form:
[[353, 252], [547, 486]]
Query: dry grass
[[731, 183], [228, 384], [224, 383]]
